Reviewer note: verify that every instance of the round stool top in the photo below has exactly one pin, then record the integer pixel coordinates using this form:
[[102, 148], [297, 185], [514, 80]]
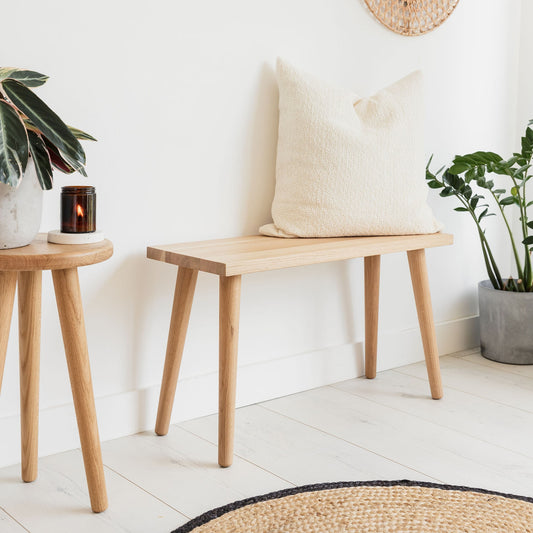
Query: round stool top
[[42, 255]]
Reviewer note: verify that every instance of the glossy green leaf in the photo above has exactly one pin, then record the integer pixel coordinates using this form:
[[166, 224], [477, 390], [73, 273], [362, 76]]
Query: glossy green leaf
[[528, 240], [79, 134], [530, 225], [29, 78], [52, 127], [459, 168], [41, 160], [471, 174], [13, 145], [434, 184], [520, 170], [461, 209], [477, 158], [508, 200]]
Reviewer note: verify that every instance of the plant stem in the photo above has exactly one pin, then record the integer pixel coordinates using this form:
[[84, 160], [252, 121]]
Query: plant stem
[[528, 277], [513, 244], [490, 263]]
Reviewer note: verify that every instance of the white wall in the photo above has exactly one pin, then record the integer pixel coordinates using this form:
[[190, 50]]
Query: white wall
[[183, 100]]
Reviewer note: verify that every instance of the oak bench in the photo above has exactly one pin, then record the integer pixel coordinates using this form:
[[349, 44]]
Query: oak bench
[[231, 258]]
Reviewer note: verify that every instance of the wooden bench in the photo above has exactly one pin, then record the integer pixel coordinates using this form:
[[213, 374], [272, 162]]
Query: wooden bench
[[231, 258]]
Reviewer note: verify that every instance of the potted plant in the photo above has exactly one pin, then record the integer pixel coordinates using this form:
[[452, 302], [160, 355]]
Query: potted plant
[[505, 304], [33, 141]]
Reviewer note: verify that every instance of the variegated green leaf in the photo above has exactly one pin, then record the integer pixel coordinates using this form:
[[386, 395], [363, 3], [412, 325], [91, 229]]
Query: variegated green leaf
[[13, 145], [81, 134], [41, 160], [57, 159], [52, 127], [29, 78], [74, 164]]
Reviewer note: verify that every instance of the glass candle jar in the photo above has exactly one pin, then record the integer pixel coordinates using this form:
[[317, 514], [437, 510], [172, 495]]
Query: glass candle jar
[[78, 209]]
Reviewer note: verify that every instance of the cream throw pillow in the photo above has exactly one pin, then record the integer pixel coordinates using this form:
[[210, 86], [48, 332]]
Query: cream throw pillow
[[348, 165]]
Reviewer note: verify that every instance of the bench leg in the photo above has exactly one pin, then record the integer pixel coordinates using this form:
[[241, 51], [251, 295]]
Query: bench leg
[[181, 310], [230, 293], [8, 284], [372, 267], [419, 278], [29, 297], [69, 306]]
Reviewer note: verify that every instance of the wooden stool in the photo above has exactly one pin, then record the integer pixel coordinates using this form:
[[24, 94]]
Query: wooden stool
[[25, 265], [230, 258]]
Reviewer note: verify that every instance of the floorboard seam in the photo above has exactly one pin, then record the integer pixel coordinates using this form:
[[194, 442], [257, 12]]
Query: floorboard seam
[[240, 457], [398, 370], [351, 443], [426, 420], [147, 492], [15, 520]]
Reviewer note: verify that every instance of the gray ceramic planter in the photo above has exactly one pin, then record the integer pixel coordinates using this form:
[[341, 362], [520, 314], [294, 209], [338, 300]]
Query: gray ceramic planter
[[505, 325]]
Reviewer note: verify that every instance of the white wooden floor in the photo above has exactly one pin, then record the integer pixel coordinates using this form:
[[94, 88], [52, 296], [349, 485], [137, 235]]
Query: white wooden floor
[[480, 434]]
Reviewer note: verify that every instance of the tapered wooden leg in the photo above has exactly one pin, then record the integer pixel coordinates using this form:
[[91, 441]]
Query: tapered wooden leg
[[230, 294], [70, 310], [29, 305], [372, 267], [181, 311], [8, 284], [419, 278]]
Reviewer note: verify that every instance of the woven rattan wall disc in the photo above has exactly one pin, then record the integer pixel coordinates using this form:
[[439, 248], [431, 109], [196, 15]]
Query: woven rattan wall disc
[[411, 17]]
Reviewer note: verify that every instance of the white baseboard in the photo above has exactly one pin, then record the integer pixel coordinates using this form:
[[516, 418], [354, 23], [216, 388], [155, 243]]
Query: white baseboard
[[130, 412]]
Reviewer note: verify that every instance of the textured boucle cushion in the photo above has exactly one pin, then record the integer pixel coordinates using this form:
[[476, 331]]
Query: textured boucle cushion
[[349, 165]]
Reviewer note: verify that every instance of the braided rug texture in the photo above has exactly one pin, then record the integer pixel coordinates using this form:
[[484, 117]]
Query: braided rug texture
[[411, 17], [371, 507]]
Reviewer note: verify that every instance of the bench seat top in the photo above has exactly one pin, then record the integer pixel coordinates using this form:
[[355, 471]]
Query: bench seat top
[[257, 253]]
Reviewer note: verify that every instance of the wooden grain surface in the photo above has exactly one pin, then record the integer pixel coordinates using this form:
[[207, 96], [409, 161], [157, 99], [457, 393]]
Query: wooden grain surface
[[229, 308], [181, 311], [42, 255], [29, 309], [257, 253], [372, 270], [70, 309], [420, 281], [8, 286]]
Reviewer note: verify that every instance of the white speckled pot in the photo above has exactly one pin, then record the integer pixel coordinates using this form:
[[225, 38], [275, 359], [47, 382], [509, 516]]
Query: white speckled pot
[[20, 210]]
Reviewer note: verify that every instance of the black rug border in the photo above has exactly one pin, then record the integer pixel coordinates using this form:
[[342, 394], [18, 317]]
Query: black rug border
[[219, 511]]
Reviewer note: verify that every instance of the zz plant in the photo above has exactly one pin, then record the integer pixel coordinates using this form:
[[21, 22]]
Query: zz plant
[[30, 129], [468, 180]]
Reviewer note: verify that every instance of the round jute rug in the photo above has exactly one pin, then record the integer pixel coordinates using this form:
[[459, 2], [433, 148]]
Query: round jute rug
[[371, 507]]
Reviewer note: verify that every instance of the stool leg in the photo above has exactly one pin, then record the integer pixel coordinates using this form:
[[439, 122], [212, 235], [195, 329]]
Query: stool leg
[[29, 306], [372, 267], [69, 305], [419, 278], [8, 284], [181, 311], [230, 294]]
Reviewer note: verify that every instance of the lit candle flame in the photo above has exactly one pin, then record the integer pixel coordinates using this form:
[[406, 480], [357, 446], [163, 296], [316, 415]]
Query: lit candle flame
[[79, 210]]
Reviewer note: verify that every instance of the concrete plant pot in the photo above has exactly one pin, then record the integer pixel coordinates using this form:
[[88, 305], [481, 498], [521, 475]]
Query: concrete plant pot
[[20, 210], [505, 325]]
